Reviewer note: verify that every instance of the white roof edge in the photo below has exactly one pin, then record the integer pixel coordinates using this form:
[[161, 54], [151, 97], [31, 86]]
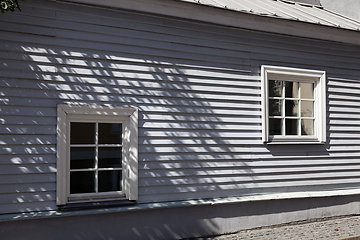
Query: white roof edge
[[342, 16], [241, 19], [305, 2]]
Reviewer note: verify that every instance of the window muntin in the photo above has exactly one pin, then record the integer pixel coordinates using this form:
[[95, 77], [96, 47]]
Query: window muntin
[[96, 153], [291, 108], [293, 105], [99, 159]]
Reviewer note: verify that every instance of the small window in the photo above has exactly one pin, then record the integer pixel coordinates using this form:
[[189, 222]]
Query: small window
[[293, 105], [97, 153]]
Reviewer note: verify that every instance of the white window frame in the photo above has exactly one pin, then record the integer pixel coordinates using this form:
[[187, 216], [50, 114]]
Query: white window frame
[[128, 116], [318, 78]]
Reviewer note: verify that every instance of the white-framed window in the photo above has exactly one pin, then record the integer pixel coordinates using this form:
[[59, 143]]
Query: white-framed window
[[97, 153], [293, 105]]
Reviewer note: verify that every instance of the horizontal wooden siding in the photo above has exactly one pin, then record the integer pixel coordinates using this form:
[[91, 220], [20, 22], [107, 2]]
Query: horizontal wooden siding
[[197, 87]]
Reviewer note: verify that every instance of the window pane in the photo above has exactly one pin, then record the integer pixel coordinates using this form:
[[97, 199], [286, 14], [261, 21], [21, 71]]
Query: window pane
[[110, 181], [82, 133], [291, 126], [275, 126], [275, 88], [291, 108], [82, 182], [291, 89], [307, 90], [307, 127], [307, 108], [275, 107], [110, 133], [110, 157], [82, 157]]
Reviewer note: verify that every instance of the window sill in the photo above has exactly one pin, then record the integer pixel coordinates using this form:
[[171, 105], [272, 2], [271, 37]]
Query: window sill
[[95, 205], [96, 197], [294, 142]]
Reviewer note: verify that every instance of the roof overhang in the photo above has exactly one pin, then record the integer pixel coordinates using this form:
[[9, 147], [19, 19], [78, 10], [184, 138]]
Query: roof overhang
[[239, 19], [312, 2]]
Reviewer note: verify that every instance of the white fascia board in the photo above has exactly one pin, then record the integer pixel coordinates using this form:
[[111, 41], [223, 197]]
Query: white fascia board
[[192, 11], [307, 2]]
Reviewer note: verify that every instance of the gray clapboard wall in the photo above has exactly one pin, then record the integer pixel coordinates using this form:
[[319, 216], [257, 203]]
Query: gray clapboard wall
[[197, 87]]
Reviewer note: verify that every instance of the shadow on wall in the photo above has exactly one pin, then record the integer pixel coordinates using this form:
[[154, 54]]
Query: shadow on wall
[[185, 149], [199, 118], [190, 143], [165, 223]]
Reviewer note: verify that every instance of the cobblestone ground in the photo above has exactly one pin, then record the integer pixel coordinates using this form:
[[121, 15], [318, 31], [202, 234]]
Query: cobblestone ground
[[339, 228]]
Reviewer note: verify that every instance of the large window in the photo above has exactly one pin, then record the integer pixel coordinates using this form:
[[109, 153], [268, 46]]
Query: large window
[[97, 153], [293, 105]]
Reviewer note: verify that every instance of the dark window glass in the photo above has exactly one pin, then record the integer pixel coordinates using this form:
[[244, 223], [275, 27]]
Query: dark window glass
[[275, 126], [82, 133], [291, 89], [291, 126], [307, 127], [110, 157], [291, 108], [110, 181], [110, 133], [82, 157], [82, 182]]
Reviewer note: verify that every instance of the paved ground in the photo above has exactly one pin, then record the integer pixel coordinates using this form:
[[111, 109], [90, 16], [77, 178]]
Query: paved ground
[[332, 228]]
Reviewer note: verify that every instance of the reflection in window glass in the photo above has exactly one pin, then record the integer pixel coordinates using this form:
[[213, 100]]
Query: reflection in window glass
[[307, 90], [307, 108], [298, 105], [291, 89], [275, 107], [275, 88], [307, 127]]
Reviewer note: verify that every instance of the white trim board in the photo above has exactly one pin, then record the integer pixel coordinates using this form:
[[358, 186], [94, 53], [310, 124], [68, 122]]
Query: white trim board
[[126, 115], [318, 78]]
